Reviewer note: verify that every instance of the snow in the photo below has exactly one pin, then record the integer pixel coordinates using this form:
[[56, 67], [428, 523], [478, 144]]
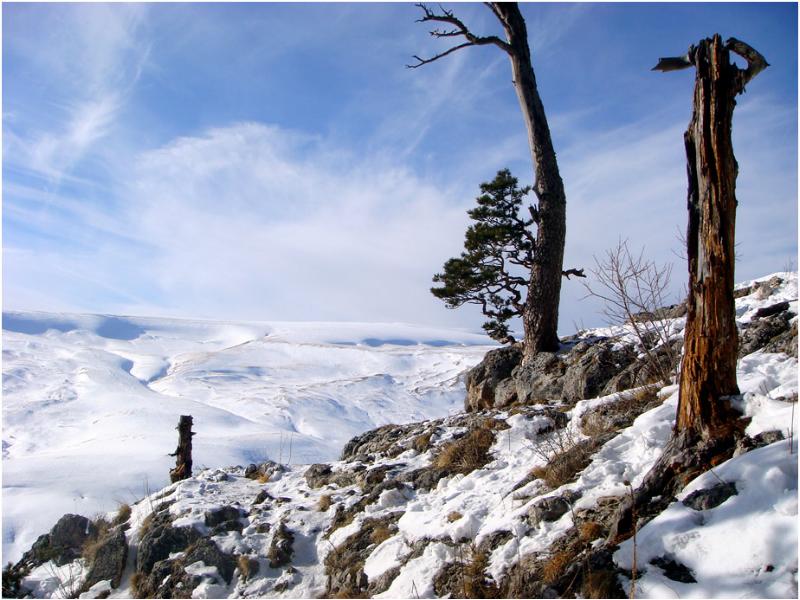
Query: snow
[[744, 548], [318, 391], [90, 402]]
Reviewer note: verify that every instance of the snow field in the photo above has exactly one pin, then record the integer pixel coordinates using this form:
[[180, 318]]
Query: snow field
[[90, 403]]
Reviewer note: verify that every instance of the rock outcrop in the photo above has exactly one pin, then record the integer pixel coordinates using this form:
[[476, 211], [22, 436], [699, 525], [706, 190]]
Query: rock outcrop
[[584, 368]]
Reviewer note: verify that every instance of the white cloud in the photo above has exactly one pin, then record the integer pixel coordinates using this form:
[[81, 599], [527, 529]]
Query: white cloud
[[87, 57], [258, 222]]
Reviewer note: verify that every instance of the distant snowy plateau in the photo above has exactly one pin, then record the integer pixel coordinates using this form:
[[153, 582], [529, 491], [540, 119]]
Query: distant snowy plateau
[[90, 402]]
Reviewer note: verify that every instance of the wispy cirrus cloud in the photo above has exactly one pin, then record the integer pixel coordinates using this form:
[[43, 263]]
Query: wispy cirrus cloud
[[85, 60]]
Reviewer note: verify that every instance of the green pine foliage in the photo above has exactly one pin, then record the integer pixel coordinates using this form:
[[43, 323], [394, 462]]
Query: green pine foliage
[[493, 269]]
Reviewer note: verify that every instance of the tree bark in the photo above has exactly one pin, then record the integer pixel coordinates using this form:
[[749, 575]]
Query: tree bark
[[540, 316], [183, 454], [706, 425], [708, 369]]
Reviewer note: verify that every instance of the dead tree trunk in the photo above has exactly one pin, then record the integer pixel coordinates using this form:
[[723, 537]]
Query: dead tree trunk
[[708, 369], [706, 425], [540, 312], [183, 454]]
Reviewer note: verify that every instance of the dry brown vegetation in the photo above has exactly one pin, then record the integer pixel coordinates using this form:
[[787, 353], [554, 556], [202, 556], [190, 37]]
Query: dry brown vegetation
[[474, 582], [600, 584], [93, 543], [467, 453], [590, 531], [565, 456], [422, 442], [454, 516], [380, 533], [123, 514], [614, 416], [137, 581], [247, 566], [263, 478], [324, 502], [554, 567]]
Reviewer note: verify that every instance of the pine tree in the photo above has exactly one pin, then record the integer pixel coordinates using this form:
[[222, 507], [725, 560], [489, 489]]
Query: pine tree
[[493, 270]]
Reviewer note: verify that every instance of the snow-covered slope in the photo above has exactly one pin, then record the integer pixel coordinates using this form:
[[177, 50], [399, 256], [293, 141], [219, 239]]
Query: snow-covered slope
[[90, 402]]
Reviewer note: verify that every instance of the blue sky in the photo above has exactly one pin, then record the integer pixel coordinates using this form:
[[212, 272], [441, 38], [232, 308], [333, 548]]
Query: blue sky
[[279, 162]]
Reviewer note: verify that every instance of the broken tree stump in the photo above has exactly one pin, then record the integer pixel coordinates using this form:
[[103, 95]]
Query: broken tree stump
[[706, 425], [183, 454], [708, 370]]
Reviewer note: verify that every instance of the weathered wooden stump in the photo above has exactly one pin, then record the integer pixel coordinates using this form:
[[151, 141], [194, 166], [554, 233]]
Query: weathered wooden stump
[[706, 425], [183, 454]]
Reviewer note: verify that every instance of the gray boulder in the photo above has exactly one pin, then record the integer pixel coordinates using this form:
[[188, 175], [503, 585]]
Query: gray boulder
[[161, 540], [552, 508], [710, 497], [208, 552], [63, 544], [483, 379], [224, 519], [109, 560], [540, 381], [591, 368], [770, 330]]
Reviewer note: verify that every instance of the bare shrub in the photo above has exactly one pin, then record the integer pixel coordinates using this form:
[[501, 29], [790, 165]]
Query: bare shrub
[[634, 291], [565, 457]]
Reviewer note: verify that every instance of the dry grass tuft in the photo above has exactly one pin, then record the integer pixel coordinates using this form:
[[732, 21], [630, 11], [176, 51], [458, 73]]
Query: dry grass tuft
[[263, 478], [138, 580], [93, 543], [474, 580], [147, 523], [495, 424], [123, 514], [467, 453], [565, 456], [422, 442], [324, 503], [600, 584], [590, 531], [247, 566], [554, 567], [380, 533], [454, 516]]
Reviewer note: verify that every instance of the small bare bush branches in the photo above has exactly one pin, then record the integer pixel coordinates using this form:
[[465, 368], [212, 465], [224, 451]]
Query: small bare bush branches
[[634, 290], [565, 456]]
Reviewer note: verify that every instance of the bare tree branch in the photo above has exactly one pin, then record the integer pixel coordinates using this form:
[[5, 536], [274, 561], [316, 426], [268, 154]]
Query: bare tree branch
[[755, 60], [460, 29], [576, 272]]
